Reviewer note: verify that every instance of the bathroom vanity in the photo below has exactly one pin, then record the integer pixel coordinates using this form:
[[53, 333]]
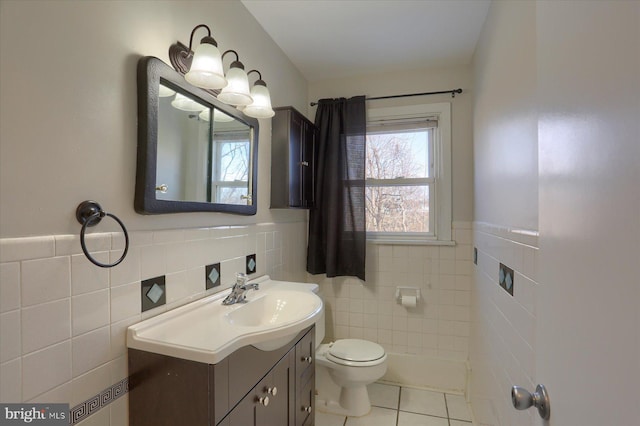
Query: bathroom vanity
[[210, 364], [249, 387]]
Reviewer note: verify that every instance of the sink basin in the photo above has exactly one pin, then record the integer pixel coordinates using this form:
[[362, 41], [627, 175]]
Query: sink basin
[[208, 331], [274, 308]]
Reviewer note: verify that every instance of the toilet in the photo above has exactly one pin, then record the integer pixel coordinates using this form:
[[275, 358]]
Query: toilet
[[344, 368]]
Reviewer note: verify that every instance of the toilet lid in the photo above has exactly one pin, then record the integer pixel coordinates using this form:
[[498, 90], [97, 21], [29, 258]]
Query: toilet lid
[[356, 350]]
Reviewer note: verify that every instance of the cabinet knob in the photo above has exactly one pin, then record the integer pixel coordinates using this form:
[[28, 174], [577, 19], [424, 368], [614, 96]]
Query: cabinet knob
[[308, 359], [272, 391], [264, 400], [305, 163], [307, 409]]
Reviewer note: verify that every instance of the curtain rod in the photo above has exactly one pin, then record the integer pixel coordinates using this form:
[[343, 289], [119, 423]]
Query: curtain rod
[[453, 95]]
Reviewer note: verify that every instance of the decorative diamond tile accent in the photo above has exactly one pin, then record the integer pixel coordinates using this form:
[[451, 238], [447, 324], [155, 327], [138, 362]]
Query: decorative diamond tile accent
[[155, 293], [508, 281], [212, 275], [506, 278], [251, 264]]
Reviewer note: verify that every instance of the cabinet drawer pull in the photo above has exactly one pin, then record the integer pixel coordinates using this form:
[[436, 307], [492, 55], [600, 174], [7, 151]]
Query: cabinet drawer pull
[[307, 409], [272, 391], [308, 359], [264, 400]]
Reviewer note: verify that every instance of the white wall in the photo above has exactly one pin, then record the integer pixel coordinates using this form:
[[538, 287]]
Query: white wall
[[69, 105], [506, 200], [68, 132], [505, 123]]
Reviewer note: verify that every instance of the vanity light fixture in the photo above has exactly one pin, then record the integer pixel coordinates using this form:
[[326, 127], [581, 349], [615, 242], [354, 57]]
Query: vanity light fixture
[[206, 66], [185, 103], [236, 92], [218, 116], [165, 92], [261, 105]]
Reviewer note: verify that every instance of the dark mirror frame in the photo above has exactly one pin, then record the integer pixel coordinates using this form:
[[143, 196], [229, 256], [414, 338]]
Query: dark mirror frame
[[150, 71]]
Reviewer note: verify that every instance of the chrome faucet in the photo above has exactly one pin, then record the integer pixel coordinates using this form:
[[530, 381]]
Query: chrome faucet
[[238, 292]]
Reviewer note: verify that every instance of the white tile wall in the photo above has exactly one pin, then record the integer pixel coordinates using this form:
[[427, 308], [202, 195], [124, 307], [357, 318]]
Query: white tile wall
[[45, 324], [63, 320], [9, 286], [440, 324], [502, 345]]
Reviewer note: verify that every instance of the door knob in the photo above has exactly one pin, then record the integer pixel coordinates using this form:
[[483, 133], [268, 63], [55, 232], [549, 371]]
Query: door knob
[[523, 399]]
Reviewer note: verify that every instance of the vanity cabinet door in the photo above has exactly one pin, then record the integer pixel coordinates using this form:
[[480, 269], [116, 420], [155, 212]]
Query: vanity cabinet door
[[305, 379], [292, 159], [305, 409], [269, 402], [281, 378]]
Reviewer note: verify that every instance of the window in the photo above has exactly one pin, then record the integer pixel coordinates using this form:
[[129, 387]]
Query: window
[[408, 185], [230, 167]]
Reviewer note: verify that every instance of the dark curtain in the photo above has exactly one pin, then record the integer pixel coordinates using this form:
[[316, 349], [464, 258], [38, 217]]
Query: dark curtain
[[337, 231]]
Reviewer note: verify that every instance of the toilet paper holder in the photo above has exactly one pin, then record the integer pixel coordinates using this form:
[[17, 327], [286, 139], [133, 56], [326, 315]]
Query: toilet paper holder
[[407, 291]]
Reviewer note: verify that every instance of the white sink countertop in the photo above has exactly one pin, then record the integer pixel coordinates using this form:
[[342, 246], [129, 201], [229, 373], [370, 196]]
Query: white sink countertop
[[208, 331]]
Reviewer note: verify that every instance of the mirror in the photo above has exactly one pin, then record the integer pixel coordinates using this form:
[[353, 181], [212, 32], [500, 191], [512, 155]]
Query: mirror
[[194, 152]]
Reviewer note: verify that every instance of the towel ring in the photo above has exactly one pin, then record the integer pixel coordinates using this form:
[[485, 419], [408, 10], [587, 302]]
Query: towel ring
[[89, 213]]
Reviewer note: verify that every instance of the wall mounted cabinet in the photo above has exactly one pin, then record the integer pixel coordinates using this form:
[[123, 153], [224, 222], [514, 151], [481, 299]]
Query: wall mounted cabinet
[[293, 165], [248, 388]]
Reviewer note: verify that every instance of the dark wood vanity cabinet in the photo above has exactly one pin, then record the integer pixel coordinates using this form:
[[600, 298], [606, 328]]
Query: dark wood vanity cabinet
[[249, 387], [293, 140], [268, 403]]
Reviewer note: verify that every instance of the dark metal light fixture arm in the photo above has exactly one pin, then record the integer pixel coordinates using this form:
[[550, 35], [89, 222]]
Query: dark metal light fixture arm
[[193, 33]]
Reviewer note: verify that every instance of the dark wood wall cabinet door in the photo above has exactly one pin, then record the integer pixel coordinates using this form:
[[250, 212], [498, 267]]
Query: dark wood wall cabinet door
[[293, 144], [248, 388]]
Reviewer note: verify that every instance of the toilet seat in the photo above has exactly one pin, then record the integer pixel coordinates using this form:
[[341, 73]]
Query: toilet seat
[[355, 353]]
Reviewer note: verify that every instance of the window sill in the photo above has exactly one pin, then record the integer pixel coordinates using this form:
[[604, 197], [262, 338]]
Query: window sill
[[410, 242]]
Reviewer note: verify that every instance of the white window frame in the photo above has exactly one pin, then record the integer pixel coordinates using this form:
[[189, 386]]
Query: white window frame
[[216, 183], [439, 219]]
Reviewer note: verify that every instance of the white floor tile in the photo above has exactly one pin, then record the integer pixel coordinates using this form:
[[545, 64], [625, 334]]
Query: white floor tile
[[326, 419], [459, 423], [417, 408], [458, 408], [412, 419], [423, 402], [377, 417], [382, 395]]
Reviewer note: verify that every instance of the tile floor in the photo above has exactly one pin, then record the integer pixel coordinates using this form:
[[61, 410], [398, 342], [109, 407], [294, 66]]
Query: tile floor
[[402, 406]]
